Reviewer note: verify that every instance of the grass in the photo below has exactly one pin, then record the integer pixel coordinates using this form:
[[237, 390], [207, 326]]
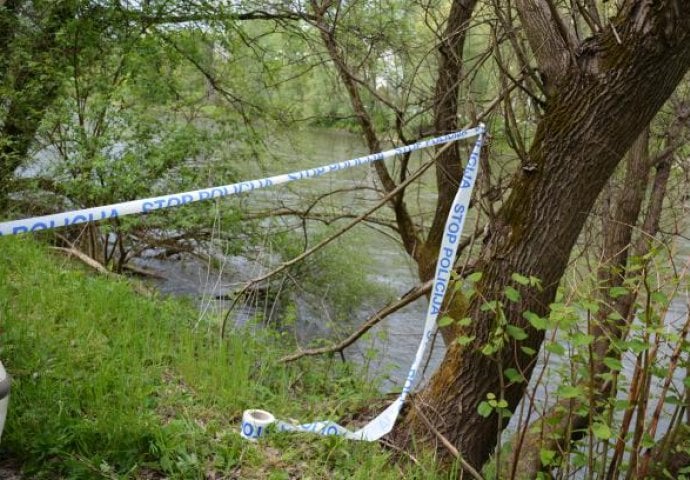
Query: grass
[[109, 384]]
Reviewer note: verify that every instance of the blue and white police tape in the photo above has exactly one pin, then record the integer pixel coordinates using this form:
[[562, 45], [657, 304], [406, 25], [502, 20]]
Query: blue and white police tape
[[383, 423], [255, 424], [150, 204]]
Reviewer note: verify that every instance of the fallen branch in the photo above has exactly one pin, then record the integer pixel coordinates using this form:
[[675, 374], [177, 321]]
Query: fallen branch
[[144, 272], [84, 258], [404, 300], [90, 262]]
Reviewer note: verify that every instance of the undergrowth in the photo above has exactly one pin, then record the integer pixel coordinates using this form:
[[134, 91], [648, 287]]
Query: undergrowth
[[110, 384]]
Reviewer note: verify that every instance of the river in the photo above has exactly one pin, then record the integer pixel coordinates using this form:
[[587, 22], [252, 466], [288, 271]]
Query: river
[[387, 265]]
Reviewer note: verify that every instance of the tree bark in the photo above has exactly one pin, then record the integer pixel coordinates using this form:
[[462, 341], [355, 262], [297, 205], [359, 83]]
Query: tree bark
[[601, 104], [446, 93], [564, 422]]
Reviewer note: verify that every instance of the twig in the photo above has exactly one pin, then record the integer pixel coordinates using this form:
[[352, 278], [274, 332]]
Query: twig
[[399, 450], [73, 252]]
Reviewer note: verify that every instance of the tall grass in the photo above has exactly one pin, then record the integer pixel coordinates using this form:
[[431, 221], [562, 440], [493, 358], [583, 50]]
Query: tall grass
[[109, 384]]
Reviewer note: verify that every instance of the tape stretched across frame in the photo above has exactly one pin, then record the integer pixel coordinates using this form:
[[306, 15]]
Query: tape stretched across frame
[[146, 205], [384, 422]]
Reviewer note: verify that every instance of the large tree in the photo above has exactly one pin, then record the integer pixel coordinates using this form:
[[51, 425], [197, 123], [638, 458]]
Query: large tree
[[601, 92]]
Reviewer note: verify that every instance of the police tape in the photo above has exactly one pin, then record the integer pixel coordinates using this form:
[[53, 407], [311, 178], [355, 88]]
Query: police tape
[[256, 423], [146, 205]]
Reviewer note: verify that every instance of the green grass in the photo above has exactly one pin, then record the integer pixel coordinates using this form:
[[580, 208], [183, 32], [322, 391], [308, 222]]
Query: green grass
[[110, 384]]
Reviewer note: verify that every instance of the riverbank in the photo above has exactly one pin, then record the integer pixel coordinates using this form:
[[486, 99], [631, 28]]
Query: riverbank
[[109, 384]]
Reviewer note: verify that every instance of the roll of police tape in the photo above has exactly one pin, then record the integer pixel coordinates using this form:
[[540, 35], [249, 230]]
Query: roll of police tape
[[146, 205], [384, 422], [255, 424]]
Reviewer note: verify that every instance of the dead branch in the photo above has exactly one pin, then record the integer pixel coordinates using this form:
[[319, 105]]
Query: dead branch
[[90, 262], [401, 302]]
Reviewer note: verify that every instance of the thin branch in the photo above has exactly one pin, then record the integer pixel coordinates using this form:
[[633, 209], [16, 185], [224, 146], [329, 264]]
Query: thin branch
[[375, 318], [164, 19], [403, 301], [331, 238]]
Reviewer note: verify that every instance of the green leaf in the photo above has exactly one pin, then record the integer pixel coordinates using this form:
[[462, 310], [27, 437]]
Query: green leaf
[[647, 440], [474, 277], [637, 346], [521, 279], [582, 339], [613, 364], [659, 297], [484, 409], [486, 306], [512, 294], [488, 349], [569, 391], [445, 321], [464, 339], [546, 456], [513, 376], [535, 320], [528, 351], [516, 332], [615, 292], [535, 282], [465, 322], [592, 307], [601, 431], [555, 348]]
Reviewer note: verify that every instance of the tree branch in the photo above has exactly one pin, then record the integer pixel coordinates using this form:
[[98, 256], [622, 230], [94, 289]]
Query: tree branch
[[553, 44]]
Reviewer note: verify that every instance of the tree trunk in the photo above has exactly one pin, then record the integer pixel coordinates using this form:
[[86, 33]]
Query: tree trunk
[[566, 422], [598, 107], [449, 164]]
